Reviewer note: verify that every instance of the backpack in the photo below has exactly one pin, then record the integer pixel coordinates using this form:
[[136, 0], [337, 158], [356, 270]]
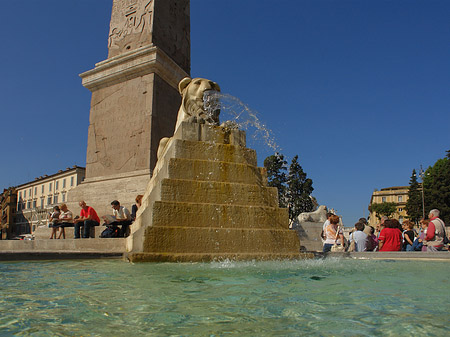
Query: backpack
[[110, 232]]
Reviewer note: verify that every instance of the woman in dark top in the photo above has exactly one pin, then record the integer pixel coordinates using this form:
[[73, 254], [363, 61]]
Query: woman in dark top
[[408, 236], [136, 206]]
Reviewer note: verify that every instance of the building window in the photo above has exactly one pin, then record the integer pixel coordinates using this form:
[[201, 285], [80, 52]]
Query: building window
[[29, 204], [383, 199], [64, 197], [71, 181], [400, 198], [19, 206], [24, 194], [30, 192], [35, 190], [49, 200], [64, 183], [34, 203], [56, 185], [42, 202], [50, 187], [20, 195], [55, 199]]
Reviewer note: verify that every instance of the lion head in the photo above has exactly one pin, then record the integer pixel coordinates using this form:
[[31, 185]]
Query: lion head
[[192, 107]]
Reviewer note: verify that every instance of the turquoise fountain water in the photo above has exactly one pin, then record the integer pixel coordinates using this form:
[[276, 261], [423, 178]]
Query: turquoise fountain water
[[340, 297]]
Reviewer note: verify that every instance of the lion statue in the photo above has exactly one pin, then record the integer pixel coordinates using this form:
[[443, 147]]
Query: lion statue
[[194, 108], [319, 215]]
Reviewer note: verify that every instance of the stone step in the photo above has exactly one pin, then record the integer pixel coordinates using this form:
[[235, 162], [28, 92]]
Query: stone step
[[218, 193], [211, 151], [218, 216], [206, 170], [220, 240]]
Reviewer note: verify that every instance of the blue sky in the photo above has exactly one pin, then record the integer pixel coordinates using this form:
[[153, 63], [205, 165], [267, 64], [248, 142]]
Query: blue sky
[[358, 89]]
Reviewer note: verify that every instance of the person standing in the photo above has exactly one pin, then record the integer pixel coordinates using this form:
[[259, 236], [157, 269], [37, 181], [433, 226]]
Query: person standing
[[54, 221], [434, 240], [325, 225], [88, 219], [333, 234]]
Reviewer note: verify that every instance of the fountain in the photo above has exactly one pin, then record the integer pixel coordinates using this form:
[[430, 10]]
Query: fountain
[[207, 198]]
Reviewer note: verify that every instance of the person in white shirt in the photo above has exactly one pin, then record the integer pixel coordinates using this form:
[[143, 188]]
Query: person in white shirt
[[359, 237], [121, 217]]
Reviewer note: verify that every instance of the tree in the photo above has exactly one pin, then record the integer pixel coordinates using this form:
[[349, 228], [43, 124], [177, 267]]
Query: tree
[[276, 175], [414, 203], [436, 186], [385, 208], [299, 189]]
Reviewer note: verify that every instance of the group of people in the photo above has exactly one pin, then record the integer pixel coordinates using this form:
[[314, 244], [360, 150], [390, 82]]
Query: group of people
[[389, 235], [118, 223]]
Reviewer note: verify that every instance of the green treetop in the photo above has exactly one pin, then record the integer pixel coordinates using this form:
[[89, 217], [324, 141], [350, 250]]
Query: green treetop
[[385, 208], [414, 203]]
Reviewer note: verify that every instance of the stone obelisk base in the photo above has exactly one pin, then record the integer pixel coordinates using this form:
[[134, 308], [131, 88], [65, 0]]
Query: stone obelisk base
[[100, 191], [208, 200]]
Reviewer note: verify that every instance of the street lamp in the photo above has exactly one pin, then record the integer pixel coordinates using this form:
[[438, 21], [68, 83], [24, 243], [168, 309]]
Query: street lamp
[[422, 175]]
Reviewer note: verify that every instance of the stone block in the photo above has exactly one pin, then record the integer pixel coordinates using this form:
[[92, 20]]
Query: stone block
[[219, 240], [218, 193], [209, 133], [184, 214], [206, 170]]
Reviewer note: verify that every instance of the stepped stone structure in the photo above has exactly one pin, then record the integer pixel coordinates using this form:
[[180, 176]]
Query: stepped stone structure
[[208, 200], [134, 98]]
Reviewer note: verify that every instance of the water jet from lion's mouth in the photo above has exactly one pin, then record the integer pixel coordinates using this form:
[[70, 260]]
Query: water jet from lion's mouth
[[235, 112]]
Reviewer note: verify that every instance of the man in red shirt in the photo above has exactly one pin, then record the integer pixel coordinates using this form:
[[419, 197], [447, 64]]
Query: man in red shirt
[[435, 232], [88, 219]]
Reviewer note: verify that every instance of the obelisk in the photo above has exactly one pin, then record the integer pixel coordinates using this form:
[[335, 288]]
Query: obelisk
[[134, 98]]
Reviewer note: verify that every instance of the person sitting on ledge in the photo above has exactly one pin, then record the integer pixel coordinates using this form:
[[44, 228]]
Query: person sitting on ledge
[[88, 219], [66, 220], [121, 216], [136, 206]]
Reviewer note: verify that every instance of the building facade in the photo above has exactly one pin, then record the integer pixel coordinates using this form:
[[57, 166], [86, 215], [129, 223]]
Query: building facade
[[36, 199], [397, 195], [8, 204]]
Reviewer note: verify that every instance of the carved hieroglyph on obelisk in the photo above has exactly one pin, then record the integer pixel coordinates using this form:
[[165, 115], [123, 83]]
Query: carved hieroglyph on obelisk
[[134, 97]]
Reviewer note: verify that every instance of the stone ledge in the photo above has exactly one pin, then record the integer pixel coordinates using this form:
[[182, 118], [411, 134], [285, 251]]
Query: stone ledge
[[444, 255], [136, 63], [29, 256], [210, 257], [113, 245]]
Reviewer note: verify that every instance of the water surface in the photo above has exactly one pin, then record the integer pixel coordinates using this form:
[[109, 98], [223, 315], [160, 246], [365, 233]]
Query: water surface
[[339, 297]]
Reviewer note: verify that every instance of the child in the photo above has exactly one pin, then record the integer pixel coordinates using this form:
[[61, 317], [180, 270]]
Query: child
[[417, 244]]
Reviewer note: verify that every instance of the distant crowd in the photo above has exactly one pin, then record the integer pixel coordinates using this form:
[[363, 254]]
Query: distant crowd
[[117, 224], [389, 235]]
